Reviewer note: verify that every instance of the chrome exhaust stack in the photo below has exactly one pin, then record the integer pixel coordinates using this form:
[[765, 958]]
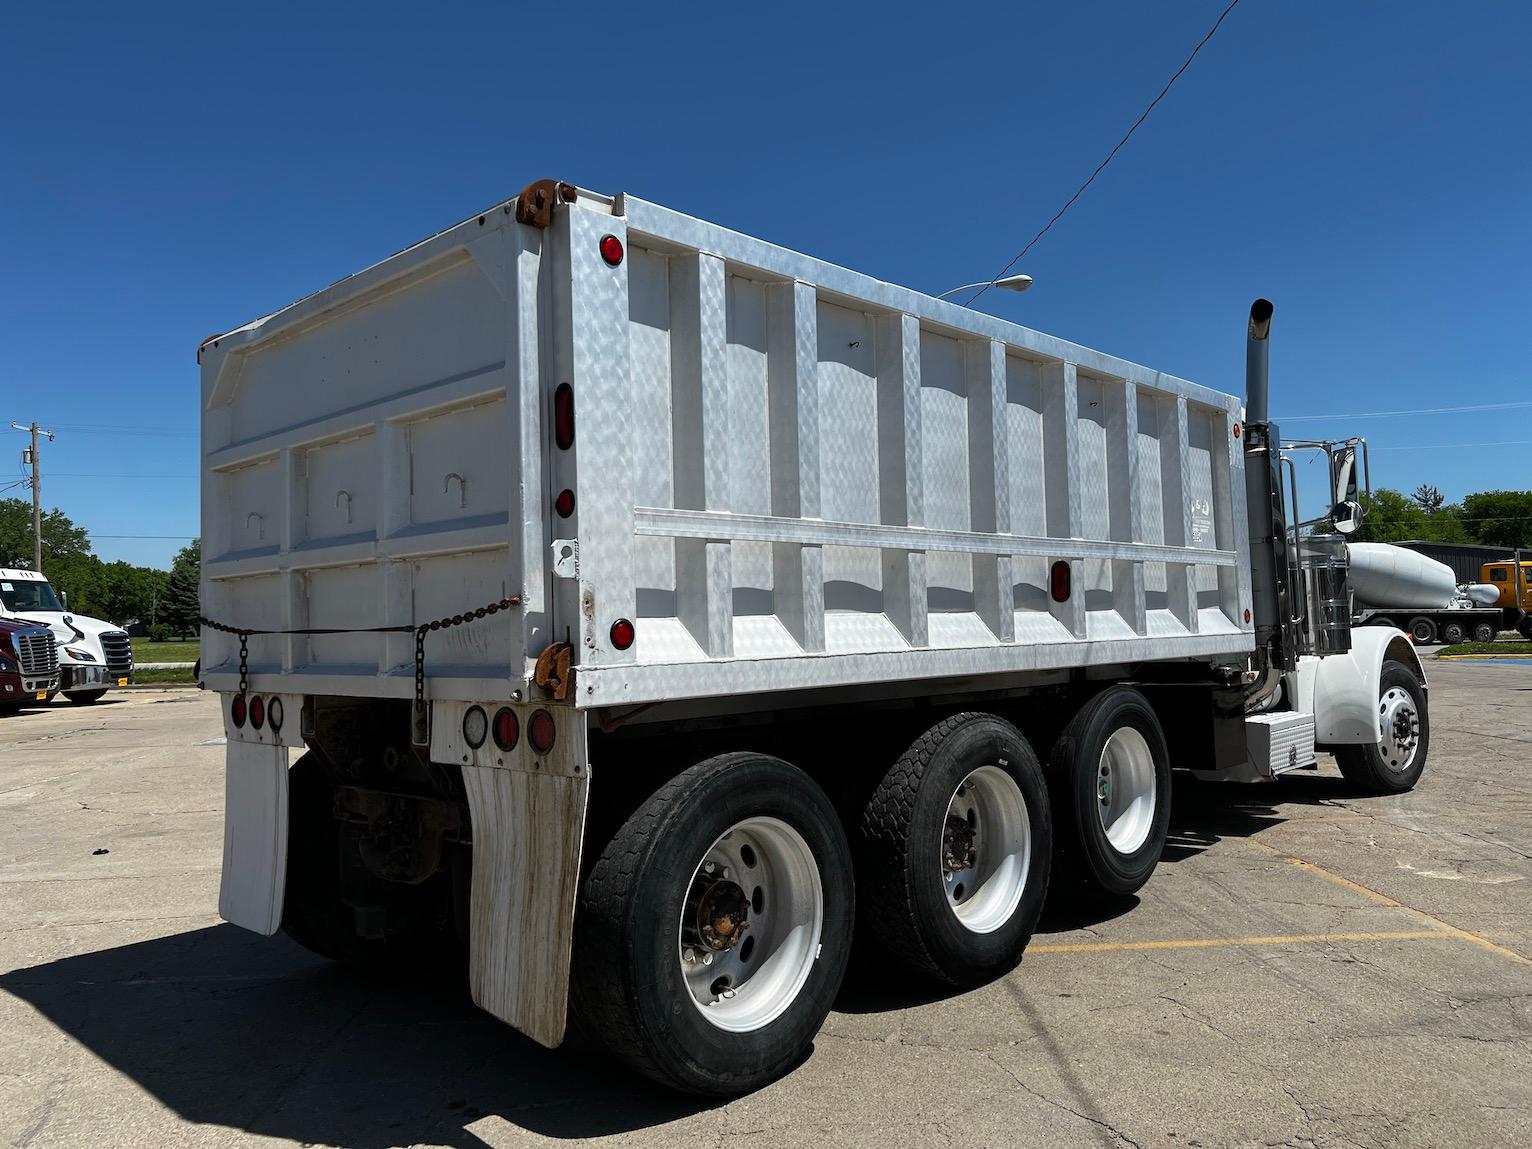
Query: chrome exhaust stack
[[1276, 632]]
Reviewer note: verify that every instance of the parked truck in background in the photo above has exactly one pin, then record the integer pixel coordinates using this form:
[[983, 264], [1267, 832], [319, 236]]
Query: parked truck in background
[[1395, 587], [648, 608], [93, 656], [29, 664]]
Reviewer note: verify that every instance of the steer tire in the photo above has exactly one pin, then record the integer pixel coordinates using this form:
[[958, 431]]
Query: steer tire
[[902, 881], [84, 697], [1365, 766], [628, 986], [1086, 851]]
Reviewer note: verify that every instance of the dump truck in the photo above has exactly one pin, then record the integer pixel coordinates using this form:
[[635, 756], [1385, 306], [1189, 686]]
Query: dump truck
[[649, 610]]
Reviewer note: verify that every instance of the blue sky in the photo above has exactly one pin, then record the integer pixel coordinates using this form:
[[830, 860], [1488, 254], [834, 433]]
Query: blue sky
[[167, 171]]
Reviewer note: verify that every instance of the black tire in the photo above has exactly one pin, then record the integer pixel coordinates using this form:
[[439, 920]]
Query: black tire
[[1422, 630], [905, 909], [84, 697], [1524, 628], [1453, 633], [627, 989], [315, 912], [9, 708], [1085, 850], [1365, 766], [1485, 632]]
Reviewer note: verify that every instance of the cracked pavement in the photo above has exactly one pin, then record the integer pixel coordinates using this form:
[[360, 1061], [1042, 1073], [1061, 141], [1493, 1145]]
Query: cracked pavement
[[1307, 968]]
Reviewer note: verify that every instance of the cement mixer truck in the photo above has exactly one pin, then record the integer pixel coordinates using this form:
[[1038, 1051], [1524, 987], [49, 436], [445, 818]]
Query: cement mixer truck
[[1393, 586]]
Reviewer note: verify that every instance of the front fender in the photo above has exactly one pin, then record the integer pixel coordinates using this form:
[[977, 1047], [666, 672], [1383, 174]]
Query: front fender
[[1346, 685]]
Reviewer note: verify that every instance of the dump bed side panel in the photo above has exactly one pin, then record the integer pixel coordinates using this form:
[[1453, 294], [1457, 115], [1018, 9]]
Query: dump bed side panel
[[834, 481], [369, 458]]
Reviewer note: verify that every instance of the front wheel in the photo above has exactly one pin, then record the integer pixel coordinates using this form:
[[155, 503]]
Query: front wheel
[[84, 697], [714, 929], [1393, 764]]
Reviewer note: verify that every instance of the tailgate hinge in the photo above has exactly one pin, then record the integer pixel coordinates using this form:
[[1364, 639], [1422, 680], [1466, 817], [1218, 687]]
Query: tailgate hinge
[[554, 672], [535, 204]]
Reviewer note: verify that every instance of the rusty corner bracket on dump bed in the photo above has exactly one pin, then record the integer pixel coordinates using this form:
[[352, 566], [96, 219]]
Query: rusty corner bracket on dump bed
[[534, 206], [553, 671]]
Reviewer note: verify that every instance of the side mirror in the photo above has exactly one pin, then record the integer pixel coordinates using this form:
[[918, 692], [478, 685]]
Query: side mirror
[[1343, 475], [1347, 516]]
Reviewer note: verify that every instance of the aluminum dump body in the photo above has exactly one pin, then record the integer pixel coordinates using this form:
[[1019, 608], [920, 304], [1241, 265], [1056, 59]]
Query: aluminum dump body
[[785, 474]]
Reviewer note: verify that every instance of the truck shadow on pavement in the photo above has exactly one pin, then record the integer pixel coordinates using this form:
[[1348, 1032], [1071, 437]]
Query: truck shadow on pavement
[[230, 1029]]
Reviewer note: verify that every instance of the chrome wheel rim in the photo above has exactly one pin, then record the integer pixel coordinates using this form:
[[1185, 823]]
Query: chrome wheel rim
[[986, 849], [1126, 790], [1398, 728], [750, 925]]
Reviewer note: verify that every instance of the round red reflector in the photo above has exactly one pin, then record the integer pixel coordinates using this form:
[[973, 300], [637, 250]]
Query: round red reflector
[[622, 634], [1058, 581], [563, 416], [507, 728], [564, 504], [1236, 430], [1247, 616], [257, 712], [237, 711], [541, 732], [611, 249]]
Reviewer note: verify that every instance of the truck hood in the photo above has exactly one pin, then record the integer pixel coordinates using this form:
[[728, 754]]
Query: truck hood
[[66, 624]]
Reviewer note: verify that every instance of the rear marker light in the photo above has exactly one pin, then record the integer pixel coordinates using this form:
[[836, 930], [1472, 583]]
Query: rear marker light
[[475, 726], [541, 732], [237, 711], [622, 634], [257, 712], [611, 250], [507, 728], [564, 504], [563, 416], [274, 713], [1058, 581]]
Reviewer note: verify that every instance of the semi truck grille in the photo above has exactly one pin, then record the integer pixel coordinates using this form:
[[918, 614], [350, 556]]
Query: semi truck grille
[[37, 652], [118, 648]]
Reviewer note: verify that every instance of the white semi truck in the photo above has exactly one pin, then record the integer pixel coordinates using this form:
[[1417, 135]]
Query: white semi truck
[[648, 609], [94, 656]]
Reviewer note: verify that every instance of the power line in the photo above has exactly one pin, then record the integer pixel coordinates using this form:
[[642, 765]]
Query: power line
[[1445, 446], [113, 475], [1079, 191], [94, 535], [1414, 411], [149, 432]]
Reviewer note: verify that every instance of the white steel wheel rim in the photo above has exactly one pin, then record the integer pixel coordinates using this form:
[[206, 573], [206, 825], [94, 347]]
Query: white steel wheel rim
[[1126, 790], [1398, 728], [986, 849], [749, 982]]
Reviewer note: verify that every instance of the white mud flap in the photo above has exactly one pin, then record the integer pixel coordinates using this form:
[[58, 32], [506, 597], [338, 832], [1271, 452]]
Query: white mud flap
[[254, 836], [528, 824]]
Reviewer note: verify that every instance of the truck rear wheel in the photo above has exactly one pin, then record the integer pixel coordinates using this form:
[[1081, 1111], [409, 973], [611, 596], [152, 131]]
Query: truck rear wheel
[[1111, 781], [1422, 630], [954, 851], [1453, 633], [1484, 632], [713, 931], [1393, 764]]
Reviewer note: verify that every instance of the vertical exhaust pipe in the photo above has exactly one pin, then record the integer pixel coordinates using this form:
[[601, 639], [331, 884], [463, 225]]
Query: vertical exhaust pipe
[[1258, 362]]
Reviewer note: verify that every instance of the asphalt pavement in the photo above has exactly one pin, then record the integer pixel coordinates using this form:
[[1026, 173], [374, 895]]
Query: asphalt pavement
[[1307, 968]]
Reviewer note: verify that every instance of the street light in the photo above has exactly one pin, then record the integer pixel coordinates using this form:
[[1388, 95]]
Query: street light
[[1009, 283]]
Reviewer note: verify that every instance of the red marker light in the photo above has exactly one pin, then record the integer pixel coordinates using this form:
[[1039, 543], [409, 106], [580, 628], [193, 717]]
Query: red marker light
[[564, 504], [563, 416], [1058, 581], [507, 728], [622, 634], [611, 250], [237, 711], [541, 731], [257, 712]]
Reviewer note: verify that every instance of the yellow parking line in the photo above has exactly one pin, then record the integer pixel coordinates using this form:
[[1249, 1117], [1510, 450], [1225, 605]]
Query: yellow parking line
[[1274, 940], [1384, 900]]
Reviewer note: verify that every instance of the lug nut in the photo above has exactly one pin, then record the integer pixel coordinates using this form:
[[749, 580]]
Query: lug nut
[[690, 956]]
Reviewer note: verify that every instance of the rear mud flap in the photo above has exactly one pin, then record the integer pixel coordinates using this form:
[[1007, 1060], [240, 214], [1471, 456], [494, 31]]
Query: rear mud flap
[[254, 836]]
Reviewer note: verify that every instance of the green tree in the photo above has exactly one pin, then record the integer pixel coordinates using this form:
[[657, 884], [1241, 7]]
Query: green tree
[[61, 538], [1428, 498], [181, 606], [1393, 517], [1499, 518]]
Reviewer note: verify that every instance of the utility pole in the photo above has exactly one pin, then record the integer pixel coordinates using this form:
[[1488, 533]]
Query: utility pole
[[34, 458]]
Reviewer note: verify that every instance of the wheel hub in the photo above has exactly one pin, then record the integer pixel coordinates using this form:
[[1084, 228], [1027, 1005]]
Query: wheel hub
[[722, 915], [959, 844], [1398, 728]]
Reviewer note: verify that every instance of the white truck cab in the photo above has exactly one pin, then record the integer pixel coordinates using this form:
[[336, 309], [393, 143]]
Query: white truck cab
[[94, 655]]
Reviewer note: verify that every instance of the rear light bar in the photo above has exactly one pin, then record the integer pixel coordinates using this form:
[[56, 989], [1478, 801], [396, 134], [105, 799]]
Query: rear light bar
[[541, 731]]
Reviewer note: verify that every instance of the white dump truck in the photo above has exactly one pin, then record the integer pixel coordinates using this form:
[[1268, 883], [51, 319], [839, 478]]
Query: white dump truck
[[648, 610], [93, 655]]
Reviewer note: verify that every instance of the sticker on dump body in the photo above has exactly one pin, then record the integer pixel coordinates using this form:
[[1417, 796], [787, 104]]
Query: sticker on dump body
[[1202, 521]]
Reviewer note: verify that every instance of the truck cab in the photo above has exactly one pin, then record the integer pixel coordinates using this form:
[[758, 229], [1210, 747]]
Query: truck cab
[[93, 655], [29, 664], [1502, 575]]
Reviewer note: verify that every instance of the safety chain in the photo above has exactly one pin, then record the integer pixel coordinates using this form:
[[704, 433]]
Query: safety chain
[[419, 630]]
